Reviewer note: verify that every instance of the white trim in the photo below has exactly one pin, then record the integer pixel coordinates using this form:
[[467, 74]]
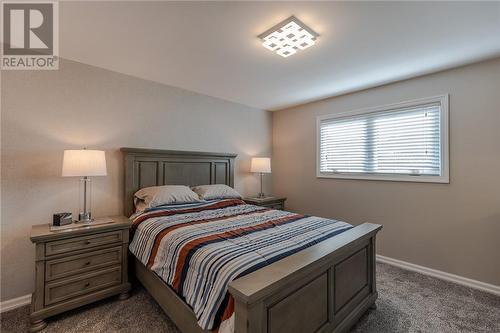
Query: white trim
[[443, 100], [489, 288], [14, 303]]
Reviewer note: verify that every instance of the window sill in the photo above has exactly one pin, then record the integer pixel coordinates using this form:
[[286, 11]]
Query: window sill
[[445, 179]]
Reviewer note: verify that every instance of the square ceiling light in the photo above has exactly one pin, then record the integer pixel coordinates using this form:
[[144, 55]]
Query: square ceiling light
[[288, 37]]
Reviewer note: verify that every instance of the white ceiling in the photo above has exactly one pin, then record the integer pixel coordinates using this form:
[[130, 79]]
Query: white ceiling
[[212, 48]]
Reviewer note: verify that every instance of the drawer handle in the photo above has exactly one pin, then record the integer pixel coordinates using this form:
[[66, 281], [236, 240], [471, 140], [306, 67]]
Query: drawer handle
[[87, 284], [87, 263], [87, 242]]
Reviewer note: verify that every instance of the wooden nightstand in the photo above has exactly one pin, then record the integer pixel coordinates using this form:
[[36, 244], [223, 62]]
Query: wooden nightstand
[[78, 266], [271, 202]]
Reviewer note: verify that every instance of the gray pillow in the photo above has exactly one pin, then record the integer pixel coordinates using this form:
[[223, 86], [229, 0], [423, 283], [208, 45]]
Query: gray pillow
[[153, 196], [217, 191]]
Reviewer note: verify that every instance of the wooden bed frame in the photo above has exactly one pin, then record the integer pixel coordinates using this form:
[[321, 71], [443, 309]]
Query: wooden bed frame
[[324, 288]]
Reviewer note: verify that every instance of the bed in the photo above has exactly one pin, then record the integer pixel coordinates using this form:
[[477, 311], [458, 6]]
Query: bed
[[324, 287]]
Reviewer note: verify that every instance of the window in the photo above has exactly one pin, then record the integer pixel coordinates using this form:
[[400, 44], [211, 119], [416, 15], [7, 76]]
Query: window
[[405, 141]]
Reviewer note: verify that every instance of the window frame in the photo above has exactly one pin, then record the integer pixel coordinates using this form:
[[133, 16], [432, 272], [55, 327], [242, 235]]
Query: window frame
[[443, 100]]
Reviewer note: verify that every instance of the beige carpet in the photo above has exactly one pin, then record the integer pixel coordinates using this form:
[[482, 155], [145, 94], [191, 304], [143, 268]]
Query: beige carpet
[[408, 302]]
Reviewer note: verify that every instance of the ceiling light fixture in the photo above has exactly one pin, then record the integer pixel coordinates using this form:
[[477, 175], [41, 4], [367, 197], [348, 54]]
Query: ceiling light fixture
[[288, 36]]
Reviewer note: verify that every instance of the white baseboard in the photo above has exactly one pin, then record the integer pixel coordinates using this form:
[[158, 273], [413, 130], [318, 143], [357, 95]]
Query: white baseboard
[[490, 288], [15, 303]]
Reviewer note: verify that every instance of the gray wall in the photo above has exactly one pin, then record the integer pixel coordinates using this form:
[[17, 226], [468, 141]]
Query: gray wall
[[450, 227], [45, 112]]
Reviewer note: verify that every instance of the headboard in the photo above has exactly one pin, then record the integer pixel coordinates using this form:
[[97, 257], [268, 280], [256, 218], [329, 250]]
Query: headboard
[[152, 167]]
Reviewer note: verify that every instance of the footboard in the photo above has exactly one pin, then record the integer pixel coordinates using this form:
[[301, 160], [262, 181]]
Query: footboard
[[324, 288]]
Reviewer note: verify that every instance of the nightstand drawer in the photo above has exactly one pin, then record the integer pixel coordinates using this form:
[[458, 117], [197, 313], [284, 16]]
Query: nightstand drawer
[[81, 243], [276, 206], [61, 290], [269, 202], [81, 263]]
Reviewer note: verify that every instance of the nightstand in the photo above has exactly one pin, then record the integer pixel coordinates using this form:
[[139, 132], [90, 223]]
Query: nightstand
[[77, 266], [271, 202]]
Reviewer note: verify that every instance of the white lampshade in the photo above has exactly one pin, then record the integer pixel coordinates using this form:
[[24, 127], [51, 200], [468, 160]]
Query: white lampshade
[[261, 165], [84, 163]]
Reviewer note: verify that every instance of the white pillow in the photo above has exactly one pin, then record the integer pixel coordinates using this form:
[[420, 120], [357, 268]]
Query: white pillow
[[153, 196], [216, 191]]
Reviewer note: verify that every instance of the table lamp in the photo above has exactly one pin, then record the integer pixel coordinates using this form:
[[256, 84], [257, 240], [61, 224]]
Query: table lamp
[[84, 163], [261, 165]]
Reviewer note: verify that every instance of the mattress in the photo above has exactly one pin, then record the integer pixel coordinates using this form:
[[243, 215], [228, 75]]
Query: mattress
[[199, 248]]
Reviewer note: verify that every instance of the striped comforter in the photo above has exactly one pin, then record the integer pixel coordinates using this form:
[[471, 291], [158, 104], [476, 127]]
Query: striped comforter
[[198, 249]]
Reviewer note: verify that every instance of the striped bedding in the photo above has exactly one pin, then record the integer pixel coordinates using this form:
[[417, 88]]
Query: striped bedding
[[198, 249]]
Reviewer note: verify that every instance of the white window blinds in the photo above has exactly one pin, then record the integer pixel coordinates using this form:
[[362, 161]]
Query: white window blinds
[[401, 141]]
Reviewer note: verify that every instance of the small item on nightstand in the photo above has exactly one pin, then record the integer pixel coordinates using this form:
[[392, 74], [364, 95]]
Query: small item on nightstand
[[61, 219]]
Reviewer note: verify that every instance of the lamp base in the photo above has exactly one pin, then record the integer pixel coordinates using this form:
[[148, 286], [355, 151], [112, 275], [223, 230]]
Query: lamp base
[[84, 218], [84, 209]]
